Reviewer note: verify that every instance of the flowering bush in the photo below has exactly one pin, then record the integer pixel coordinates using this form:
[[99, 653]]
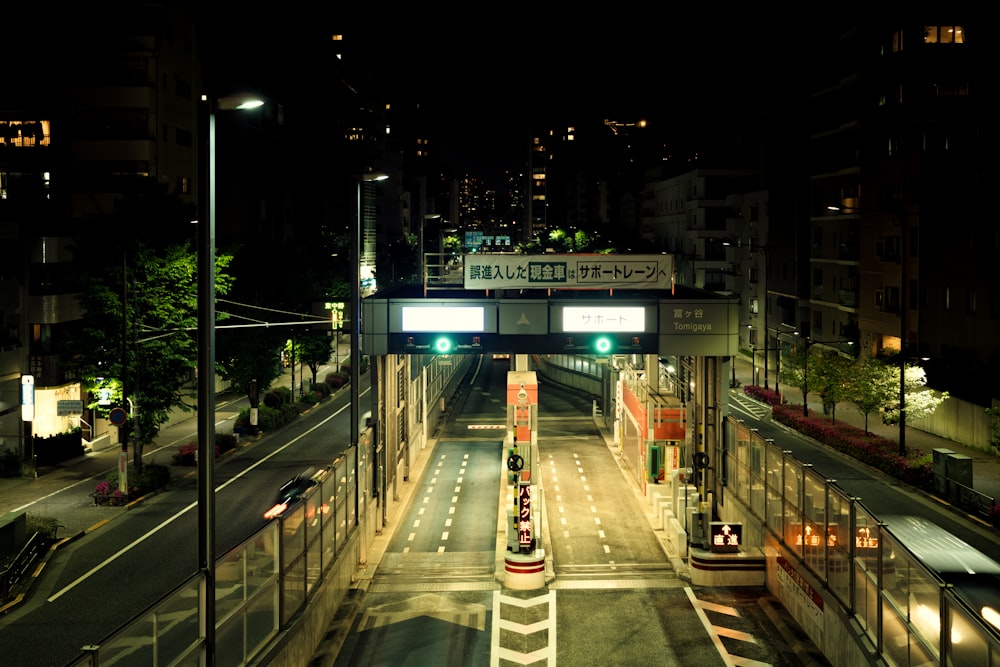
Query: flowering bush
[[881, 453], [153, 477], [768, 396]]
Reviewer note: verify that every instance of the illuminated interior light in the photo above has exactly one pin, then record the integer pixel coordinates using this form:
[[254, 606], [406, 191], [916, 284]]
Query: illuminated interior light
[[991, 616]]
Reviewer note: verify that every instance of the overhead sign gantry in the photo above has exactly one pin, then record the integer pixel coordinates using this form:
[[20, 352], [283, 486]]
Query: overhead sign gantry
[[579, 304]]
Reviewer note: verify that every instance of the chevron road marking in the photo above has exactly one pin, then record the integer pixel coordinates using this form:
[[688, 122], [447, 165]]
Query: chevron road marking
[[546, 653], [717, 632]]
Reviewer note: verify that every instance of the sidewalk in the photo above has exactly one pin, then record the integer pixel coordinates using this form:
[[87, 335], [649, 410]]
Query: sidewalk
[[985, 464], [63, 491]]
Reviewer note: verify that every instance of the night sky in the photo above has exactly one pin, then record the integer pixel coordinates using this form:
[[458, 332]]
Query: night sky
[[488, 74]]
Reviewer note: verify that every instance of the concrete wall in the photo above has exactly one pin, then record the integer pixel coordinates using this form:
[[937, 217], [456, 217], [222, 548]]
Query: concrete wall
[[961, 421]]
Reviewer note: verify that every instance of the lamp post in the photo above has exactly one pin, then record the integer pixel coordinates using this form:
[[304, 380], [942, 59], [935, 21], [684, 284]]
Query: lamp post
[[206, 360], [423, 253], [367, 177], [903, 277], [738, 243], [777, 358]]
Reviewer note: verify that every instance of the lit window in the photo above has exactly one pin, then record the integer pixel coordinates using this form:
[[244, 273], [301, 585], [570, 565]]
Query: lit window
[[946, 34]]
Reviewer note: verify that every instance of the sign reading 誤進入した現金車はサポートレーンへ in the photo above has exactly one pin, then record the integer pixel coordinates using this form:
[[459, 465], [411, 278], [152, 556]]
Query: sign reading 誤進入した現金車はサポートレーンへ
[[568, 271]]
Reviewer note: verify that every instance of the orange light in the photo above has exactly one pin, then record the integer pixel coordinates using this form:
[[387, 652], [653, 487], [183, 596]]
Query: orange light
[[276, 511]]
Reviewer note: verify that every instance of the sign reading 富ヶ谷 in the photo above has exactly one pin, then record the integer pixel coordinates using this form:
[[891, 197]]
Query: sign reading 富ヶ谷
[[483, 271]]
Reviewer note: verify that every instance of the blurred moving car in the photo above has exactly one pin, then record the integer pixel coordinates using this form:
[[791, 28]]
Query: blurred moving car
[[291, 492], [501, 355]]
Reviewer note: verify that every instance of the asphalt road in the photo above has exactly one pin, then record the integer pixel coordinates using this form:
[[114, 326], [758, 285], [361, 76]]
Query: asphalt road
[[612, 596]]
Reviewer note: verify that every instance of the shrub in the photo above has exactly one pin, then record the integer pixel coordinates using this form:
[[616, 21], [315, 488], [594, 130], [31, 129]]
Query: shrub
[[46, 526], [277, 396], [321, 388], [154, 476], [336, 380], [224, 442], [768, 396], [345, 366], [186, 455], [881, 453]]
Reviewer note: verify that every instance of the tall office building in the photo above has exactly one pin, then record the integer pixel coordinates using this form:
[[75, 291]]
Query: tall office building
[[87, 115], [899, 255]]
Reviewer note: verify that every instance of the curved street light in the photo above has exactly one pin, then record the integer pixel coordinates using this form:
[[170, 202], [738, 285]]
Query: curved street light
[[365, 177], [206, 352]]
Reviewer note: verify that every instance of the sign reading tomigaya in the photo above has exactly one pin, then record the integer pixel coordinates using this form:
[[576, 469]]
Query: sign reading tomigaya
[[486, 271]]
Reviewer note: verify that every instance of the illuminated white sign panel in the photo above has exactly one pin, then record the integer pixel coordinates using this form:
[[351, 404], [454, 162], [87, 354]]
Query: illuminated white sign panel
[[443, 318], [603, 319]]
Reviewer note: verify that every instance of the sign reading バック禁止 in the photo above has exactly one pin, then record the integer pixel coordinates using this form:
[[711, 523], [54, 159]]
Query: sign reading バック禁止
[[484, 271]]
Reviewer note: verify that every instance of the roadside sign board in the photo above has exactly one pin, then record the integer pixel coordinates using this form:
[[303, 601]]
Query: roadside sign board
[[27, 398]]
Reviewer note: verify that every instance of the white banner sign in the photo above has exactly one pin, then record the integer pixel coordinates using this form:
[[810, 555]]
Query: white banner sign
[[568, 271]]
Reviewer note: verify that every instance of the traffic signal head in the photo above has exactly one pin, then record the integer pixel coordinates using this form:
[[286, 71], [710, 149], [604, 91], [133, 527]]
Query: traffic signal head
[[442, 345], [603, 344]]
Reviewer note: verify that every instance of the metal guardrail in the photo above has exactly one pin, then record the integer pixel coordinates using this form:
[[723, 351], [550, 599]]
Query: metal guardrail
[[15, 569]]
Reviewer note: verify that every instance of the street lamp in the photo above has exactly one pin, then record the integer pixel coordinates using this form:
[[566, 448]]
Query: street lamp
[[778, 333], [903, 256], [751, 247], [423, 254], [206, 358], [366, 177]]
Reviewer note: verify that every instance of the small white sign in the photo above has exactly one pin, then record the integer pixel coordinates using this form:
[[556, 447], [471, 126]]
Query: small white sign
[[604, 319], [27, 398]]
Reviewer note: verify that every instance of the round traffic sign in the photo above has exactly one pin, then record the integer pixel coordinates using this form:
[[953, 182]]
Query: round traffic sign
[[515, 463], [117, 416]]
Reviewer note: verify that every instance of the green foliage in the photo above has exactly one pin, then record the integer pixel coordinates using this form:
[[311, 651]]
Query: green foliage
[[315, 349], [155, 289], [152, 477], [46, 526], [276, 397], [872, 386], [336, 380], [561, 241], [920, 402], [994, 414], [250, 354], [345, 366]]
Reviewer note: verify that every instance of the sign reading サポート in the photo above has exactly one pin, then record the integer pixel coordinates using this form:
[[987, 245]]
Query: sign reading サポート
[[568, 271]]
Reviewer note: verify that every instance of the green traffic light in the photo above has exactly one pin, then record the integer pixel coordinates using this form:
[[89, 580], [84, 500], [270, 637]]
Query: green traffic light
[[602, 345], [442, 345]]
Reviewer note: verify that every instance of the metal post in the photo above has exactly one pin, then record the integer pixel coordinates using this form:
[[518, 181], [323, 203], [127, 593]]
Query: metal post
[[206, 393], [902, 337], [805, 382], [123, 430], [355, 354]]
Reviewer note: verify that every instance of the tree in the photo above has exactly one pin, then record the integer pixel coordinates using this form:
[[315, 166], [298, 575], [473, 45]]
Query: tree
[[315, 347], [248, 354], [830, 376], [160, 289], [920, 401], [994, 414], [872, 386], [793, 367]]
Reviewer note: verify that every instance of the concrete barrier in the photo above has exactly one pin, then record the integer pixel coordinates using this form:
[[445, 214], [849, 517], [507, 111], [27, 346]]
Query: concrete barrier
[[524, 572]]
